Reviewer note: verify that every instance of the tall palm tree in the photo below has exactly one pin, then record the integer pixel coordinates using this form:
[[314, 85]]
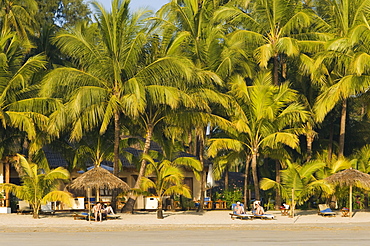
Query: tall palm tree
[[17, 16], [110, 75], [194, 34], [275, 29], [345, 72], [270, 116], [38, 186], [20, 108]]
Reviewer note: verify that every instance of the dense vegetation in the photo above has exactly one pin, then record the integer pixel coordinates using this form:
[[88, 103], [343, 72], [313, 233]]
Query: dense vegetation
[[275, 89]]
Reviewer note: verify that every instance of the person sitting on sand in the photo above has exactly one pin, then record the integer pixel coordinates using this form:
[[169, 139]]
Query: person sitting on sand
[[258, 209], [108, 209], [97, 210], [239, 209]]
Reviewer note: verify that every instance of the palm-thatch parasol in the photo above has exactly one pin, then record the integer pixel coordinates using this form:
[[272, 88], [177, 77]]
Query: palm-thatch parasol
[[98, 178], [350, 177]]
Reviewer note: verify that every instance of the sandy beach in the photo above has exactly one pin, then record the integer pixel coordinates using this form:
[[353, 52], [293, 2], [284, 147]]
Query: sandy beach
[[186, 228], [181, 220]]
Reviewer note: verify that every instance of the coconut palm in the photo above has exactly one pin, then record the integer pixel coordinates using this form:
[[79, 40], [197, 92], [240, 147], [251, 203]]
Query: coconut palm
[[17, 16], [298, 183], [192, 33], [270, 116], [20, 108], [272, 29], [111, 75], [38, 186], [361, 159], [344, 59], [168, 178]]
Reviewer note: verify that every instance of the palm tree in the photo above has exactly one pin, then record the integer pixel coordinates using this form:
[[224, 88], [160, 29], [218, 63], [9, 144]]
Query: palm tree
[[168, 178], [269, 116], [276, 33], [298, 183], [192, 33], [39, 186], [20, 108], [343, 62], [112, 73], [17, 16], [273, 28]]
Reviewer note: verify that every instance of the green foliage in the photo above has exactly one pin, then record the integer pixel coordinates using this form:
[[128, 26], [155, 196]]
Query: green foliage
[[230, 196], [38, 186], [166, 177], [298, 181]]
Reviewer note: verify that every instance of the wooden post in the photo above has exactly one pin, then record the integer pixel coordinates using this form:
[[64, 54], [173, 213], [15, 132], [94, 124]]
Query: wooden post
[[7, 180], [88, 203], [350, 201]]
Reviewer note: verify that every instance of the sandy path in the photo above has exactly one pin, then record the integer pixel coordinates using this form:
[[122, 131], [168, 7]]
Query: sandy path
[[186, 228]]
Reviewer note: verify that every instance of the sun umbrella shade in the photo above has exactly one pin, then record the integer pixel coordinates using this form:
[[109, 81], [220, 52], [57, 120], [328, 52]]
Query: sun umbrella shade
[[350, 177], [98, 178]]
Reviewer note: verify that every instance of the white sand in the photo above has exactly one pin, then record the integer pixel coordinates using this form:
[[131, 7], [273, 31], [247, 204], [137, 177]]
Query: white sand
[[180, 221]]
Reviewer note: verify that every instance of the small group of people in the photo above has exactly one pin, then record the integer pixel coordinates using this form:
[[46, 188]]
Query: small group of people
[[256, 207], [101, 211]]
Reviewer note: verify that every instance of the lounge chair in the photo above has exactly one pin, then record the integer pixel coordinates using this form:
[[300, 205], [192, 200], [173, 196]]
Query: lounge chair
[[24, 207], [46, 209], [112, 216], [83, 215], [324, 210], [263, 216], [234, 215]]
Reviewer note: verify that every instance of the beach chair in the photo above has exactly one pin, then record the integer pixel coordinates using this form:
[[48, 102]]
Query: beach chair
[[263, 216], [46, 209], [83, 215], [207, 203], [113, 217], [24, 207], [324, 210], [234, 215]]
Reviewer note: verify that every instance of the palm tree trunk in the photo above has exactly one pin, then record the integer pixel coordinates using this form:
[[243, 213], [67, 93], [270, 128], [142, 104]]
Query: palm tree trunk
[[278, 180], [116, 144], [7, 181], [227, 178], [246, 179], [36, 210], [330, 145], [160, 210], [255, 176], [203, 175], [116, 155], [129, 206], [309, 146], [342, 128]]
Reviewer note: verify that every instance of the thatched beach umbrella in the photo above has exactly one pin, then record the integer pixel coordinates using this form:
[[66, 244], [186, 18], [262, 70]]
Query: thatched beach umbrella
[[98, 178], [350, 177]]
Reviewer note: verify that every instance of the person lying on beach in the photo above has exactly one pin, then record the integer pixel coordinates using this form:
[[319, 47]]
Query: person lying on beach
[[258, 208], [108, 209], [239, 209]]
